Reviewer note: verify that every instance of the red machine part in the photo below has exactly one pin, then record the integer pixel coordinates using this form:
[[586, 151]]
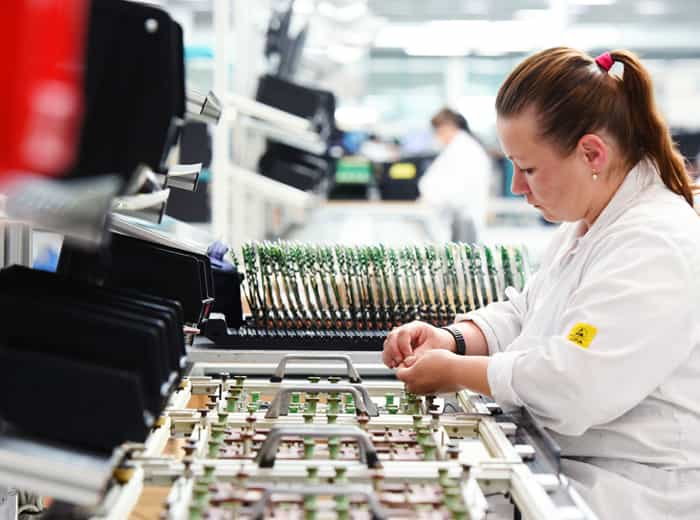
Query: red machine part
[[41, 91]]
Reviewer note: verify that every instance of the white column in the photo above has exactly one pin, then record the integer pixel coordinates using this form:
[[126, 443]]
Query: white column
[[560, 21], [220, 167], [246, 46], [455, 80]]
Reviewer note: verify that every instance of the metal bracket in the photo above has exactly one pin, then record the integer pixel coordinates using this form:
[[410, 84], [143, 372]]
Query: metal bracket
[[146, 206], [353, 375], [529, 432], [203, 107], [245, 106], [183, 176], [363, 402], [74, 208], [268, 450], [257, 511], [48, 468]]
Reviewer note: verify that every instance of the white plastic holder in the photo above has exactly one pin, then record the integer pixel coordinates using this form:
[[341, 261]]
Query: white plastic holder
[[8, 503], [121, 498]]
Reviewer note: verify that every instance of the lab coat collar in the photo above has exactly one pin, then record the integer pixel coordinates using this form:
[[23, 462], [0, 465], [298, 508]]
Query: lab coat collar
[[638, 179], [458, 140]]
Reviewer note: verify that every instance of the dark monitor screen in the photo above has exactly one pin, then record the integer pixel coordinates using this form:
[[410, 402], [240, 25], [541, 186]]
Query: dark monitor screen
[[398, 180]]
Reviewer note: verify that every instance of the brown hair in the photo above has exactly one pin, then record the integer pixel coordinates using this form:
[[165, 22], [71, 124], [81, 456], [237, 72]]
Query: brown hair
[[449, 116], [573, 96]]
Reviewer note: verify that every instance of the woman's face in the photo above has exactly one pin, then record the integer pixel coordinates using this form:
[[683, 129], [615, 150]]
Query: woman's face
[[445, 132], [560, 187]]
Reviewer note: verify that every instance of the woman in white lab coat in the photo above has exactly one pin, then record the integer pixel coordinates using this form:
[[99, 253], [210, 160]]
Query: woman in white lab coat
[[603, 344], [457, 182]]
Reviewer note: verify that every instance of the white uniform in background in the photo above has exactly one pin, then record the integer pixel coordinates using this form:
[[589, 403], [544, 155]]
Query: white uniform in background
[[376, 151], [603, 348], [457, 182]]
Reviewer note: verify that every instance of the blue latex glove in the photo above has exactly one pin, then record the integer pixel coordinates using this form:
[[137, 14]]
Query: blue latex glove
[[217, 255]]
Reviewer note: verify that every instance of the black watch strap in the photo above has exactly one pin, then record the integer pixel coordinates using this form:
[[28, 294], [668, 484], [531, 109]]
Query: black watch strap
[[461, 344]]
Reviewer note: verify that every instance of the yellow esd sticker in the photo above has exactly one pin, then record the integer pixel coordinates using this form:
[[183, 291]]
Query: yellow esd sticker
[[582, 334]]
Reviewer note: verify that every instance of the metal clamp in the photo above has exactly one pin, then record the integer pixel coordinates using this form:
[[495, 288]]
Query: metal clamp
[[353, 375], [74, 208], [257, 511], [268, 450], [363, 402], [203, 107], [183, 176], [146, 206]]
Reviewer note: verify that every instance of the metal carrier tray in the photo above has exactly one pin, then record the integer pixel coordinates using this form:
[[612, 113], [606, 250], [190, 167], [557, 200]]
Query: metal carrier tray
[[257, 450]]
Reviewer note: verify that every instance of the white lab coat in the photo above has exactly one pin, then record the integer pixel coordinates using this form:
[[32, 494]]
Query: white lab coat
[[626, 409], [457, 182]]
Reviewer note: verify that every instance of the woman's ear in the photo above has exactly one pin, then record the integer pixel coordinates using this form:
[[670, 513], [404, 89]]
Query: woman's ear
[[594, 152]]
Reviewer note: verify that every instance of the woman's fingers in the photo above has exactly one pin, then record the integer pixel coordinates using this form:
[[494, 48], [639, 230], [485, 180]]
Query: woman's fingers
[[408, 361], [430, 372], [403, 373], [410, 376], [400, 342], [388, 354], [409, 337]]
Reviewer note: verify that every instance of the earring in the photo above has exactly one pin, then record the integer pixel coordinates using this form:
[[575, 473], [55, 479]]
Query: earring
[[595, 175]]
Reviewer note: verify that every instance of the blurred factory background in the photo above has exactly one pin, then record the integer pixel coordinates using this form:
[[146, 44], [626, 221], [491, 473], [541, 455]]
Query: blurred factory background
[[390, 66]]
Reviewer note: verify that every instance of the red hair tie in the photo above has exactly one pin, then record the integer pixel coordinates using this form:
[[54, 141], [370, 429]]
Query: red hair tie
[[605, 61]]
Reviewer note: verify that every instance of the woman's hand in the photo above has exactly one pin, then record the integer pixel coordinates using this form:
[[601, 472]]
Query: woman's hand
[[439, 371], [434, 372], [409, 342]]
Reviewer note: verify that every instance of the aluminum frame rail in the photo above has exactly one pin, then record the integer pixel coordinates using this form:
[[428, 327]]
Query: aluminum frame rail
[[68, 474]]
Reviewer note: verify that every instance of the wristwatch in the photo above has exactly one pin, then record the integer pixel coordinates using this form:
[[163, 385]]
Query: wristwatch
[[461, 344]]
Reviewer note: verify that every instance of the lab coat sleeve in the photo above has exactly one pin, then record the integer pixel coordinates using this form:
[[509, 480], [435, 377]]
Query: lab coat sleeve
[[637, 292], [501, 322], [437, 184]]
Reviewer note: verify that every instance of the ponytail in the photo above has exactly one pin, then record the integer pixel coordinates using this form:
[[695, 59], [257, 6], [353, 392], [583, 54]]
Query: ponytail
[[650, 131], [462, 123]]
